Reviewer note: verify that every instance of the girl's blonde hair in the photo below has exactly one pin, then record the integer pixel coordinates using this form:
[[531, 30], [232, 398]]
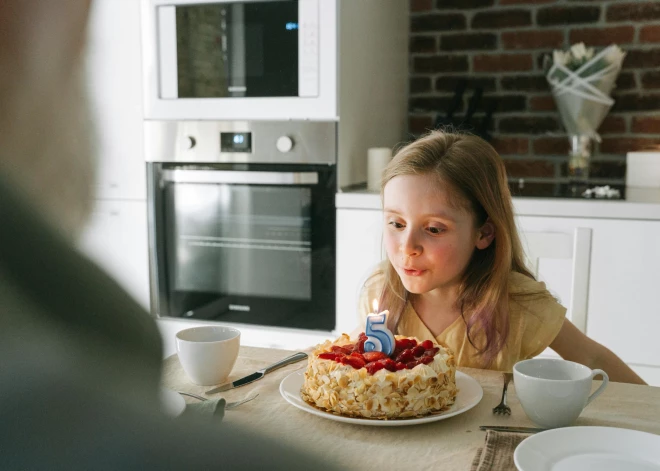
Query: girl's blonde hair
[[476, 180]]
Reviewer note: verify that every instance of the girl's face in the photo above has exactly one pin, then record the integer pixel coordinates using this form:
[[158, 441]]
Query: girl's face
[[428, 241]]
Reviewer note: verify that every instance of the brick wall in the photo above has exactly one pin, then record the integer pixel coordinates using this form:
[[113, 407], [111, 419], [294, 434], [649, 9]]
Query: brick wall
[[499, 45]]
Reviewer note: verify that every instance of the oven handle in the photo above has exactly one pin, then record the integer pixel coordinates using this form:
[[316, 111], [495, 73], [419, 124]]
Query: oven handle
[[240, 177]]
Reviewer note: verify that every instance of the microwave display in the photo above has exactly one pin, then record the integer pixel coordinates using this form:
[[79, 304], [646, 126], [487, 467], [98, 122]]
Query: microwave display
[[238, 49]]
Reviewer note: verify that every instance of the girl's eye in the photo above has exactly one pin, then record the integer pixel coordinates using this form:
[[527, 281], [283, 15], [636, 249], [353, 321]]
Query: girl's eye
[[395, 224], [436, 230]]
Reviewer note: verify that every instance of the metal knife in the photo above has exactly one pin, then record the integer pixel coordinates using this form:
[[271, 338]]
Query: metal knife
[[506, 428], [259, 374]]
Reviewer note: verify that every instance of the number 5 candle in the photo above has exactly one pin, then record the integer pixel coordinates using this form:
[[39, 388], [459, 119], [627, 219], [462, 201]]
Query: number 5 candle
[[379, 337]]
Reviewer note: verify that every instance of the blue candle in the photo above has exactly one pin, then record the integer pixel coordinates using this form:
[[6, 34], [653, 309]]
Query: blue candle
[[379, 337]]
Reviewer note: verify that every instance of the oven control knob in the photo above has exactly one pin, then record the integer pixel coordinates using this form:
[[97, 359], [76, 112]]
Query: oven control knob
[[190, 142], [284, 144]]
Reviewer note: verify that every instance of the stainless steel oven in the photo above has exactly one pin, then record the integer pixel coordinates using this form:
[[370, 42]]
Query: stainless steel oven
[[242, 221]]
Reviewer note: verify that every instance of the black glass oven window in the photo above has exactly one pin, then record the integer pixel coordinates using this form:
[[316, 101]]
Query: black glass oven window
[[240, 251], [237, 49]]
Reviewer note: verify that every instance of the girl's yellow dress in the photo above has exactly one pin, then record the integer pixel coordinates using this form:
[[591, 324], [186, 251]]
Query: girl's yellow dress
[[535, 320]]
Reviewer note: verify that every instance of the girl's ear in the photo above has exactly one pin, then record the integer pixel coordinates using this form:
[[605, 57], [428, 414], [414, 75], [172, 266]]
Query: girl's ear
[[485, 235]]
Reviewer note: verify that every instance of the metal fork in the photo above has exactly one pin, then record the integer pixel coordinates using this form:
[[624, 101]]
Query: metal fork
[[228, 406], [502, 408]]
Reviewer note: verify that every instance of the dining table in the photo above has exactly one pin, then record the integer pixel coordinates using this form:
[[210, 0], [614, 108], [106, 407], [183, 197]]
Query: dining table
[[450, 443]]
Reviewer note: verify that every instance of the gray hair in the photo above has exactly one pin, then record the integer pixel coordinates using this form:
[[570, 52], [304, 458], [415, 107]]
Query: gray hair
[[45, 126]]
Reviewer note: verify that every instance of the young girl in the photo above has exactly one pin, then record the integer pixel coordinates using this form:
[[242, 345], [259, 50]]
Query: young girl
[[455, 272]]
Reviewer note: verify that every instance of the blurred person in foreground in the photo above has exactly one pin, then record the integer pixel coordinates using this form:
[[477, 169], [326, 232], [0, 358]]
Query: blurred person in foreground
[[81, 361]]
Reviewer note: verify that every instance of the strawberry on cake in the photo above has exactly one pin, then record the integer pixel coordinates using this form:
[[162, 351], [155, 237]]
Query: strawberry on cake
[[418, 379]]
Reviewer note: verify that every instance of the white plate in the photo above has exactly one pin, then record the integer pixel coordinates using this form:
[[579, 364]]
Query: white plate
[[469, 395], [589, 448], [172, 403]]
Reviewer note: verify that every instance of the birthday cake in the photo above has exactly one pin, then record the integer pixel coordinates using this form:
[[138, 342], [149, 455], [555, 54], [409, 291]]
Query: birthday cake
[[415, 380]]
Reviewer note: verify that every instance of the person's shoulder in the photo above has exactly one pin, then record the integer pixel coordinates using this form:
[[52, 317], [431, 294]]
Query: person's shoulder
[[528, 296], [522, 284], [535, 314]]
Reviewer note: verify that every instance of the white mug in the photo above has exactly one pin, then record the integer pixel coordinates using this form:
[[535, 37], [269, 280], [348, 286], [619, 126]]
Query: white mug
[[553, 392], [208, 353]]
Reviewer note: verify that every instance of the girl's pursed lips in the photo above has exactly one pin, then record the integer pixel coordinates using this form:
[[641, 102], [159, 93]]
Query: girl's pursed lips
[[413, 271]]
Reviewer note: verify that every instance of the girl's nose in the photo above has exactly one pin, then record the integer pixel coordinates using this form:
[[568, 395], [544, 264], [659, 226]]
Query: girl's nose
[[410, 245]]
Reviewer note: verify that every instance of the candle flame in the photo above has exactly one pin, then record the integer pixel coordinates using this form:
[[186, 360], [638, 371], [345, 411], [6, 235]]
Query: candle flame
[[374, 303]]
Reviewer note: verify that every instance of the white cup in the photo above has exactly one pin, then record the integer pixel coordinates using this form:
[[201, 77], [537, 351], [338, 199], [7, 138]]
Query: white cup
[[208, 354], [553, 392], [377, 160]]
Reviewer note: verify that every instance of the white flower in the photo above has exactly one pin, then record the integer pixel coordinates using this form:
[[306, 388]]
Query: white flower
[[579, 51], [560, 57], [614, 54]]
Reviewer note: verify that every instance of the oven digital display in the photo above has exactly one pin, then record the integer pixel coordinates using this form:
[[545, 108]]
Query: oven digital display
[[235, 142]]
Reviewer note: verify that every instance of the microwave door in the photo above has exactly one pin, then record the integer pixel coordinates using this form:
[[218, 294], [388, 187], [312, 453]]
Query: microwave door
[[238, 49], [261, 42]]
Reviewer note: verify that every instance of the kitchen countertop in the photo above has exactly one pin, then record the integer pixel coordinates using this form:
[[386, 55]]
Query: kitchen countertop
[[639, 204], [444, 444]]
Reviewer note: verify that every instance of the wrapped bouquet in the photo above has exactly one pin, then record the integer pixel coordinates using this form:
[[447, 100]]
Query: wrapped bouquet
[[581, 83]]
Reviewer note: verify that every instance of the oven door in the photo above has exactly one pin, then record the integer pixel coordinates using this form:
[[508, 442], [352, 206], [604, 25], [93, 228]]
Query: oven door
[[249, 246], [216, 54]]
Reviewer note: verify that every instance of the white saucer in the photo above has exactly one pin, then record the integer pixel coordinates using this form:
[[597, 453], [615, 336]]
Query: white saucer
[[172, 403], [469, 395], [589, 448]]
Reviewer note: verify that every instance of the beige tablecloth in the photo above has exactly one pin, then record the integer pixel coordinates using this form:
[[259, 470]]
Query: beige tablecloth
[[446, 444]]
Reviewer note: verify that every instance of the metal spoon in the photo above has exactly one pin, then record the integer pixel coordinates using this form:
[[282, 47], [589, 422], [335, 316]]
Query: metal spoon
[[229, 405]]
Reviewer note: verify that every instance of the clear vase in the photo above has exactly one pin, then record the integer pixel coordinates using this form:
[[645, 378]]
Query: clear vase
[[579, 155]]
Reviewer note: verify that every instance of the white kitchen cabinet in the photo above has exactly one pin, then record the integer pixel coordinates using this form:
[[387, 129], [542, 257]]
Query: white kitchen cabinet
[[116, 239], [114, 83], [116, 235], [359, 249], [624, 300]]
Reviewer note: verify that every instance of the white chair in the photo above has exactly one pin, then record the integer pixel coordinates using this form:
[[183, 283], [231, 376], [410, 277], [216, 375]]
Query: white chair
[[562, 245]]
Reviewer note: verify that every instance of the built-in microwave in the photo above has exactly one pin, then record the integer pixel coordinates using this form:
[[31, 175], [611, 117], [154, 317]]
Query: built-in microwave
[[239, 59]]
